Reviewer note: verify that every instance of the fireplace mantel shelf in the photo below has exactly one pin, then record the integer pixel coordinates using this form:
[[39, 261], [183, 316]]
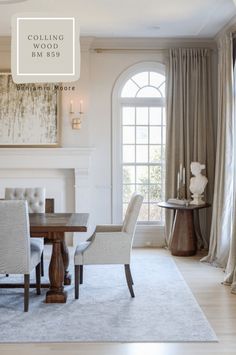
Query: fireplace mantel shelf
[[46, 151], [46, 158]]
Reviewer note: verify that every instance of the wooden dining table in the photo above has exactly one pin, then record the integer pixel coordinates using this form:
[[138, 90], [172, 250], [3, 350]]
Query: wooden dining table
[[53, 226]]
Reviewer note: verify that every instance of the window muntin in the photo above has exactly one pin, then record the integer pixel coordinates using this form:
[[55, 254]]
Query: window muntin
[[143, 142], [145, 84]]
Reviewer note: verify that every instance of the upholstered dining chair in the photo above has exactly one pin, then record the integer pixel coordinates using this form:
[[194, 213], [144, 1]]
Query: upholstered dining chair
[[35, 196], [18, 254], [110, 244]]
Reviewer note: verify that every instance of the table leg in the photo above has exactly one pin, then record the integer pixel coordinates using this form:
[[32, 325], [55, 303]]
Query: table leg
[[201, 241], [56, 293], [183, 242], [66, 260]]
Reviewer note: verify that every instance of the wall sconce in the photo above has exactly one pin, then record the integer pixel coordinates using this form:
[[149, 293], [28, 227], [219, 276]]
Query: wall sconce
[[76, 121]]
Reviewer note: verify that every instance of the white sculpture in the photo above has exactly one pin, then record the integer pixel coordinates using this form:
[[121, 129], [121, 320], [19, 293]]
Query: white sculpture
[[197, 183]]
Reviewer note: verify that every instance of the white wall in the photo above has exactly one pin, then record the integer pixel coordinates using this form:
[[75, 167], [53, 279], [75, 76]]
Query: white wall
[[99, 71], [105, 69]]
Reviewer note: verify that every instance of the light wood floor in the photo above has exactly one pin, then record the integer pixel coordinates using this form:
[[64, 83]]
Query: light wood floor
[[218, 304]]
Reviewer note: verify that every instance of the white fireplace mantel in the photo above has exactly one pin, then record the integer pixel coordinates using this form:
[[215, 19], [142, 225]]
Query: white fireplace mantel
[[46, 158], [77, 159]]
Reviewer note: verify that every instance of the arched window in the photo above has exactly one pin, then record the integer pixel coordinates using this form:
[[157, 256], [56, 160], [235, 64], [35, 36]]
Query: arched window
[[145, 84], [140, 164]]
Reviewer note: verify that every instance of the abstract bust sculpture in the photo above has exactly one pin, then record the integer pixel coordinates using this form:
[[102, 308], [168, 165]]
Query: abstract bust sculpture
[[197, 183]]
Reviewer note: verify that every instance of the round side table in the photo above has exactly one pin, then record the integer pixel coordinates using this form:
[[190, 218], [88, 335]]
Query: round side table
[[184, 235]]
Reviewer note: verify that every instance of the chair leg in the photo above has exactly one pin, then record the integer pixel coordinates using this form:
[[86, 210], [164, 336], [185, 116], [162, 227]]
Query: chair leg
[[42, 265], [77, 281], [81, 272], [38, 279], [129, 279], [26, 292]]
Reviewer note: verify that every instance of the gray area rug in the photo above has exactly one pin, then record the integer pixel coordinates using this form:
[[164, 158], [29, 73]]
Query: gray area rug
[[164, 309]]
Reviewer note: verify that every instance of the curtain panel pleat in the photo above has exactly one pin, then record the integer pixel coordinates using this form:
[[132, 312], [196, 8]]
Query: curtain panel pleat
[[222, 251], [221, 229], [190, 134]]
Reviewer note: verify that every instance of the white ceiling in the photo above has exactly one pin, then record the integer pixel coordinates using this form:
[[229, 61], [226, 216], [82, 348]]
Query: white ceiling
[[133, 18]]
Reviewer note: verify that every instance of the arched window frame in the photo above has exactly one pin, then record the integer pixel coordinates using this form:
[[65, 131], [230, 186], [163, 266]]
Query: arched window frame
[[117, 103]]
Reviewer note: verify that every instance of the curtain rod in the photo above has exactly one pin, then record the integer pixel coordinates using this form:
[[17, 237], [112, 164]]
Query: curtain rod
[[101, 50]]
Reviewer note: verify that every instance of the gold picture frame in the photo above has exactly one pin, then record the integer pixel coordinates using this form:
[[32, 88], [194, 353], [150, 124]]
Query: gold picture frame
[[29, 114]]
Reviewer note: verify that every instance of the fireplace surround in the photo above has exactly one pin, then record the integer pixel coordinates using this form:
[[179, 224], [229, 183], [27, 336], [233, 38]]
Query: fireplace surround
[[64, 171]]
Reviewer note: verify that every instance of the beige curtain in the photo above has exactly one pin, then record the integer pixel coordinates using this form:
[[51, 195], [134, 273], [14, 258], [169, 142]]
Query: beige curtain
[[222, 251], [189, 124]]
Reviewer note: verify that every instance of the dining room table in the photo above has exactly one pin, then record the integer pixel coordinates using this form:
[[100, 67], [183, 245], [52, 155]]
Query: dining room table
[[53, 226]]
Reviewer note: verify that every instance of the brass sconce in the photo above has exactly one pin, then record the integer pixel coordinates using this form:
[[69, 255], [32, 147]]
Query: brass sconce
[[76, 120]]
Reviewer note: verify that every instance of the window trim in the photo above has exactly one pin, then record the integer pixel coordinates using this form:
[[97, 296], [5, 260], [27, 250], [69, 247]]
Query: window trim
[[117, 103], [141, 101]]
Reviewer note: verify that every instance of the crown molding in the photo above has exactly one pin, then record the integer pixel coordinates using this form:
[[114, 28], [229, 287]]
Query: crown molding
[[96, 43], [150, 43], [231, 23]]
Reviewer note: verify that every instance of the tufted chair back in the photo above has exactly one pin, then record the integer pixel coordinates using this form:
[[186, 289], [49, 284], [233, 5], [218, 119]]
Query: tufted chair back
[[34, 196]]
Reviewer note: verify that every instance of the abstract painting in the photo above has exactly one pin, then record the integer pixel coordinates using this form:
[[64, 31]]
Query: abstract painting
[[28, 114]]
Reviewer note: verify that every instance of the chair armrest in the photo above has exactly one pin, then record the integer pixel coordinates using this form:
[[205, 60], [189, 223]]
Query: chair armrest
[[107, 235], [108, 228]]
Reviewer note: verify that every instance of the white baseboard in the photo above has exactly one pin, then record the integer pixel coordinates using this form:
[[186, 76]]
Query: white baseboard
[[149, 236]]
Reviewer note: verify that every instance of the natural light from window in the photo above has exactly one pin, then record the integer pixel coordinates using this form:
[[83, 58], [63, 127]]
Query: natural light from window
[[143, 142]]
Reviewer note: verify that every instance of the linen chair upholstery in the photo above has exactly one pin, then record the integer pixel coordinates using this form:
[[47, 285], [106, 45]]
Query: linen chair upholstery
[[17, 254], [36, 204], [110, 244]]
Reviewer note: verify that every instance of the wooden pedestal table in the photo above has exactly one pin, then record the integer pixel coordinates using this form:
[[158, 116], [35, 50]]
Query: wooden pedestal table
[[54, 226], [184, 234]]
